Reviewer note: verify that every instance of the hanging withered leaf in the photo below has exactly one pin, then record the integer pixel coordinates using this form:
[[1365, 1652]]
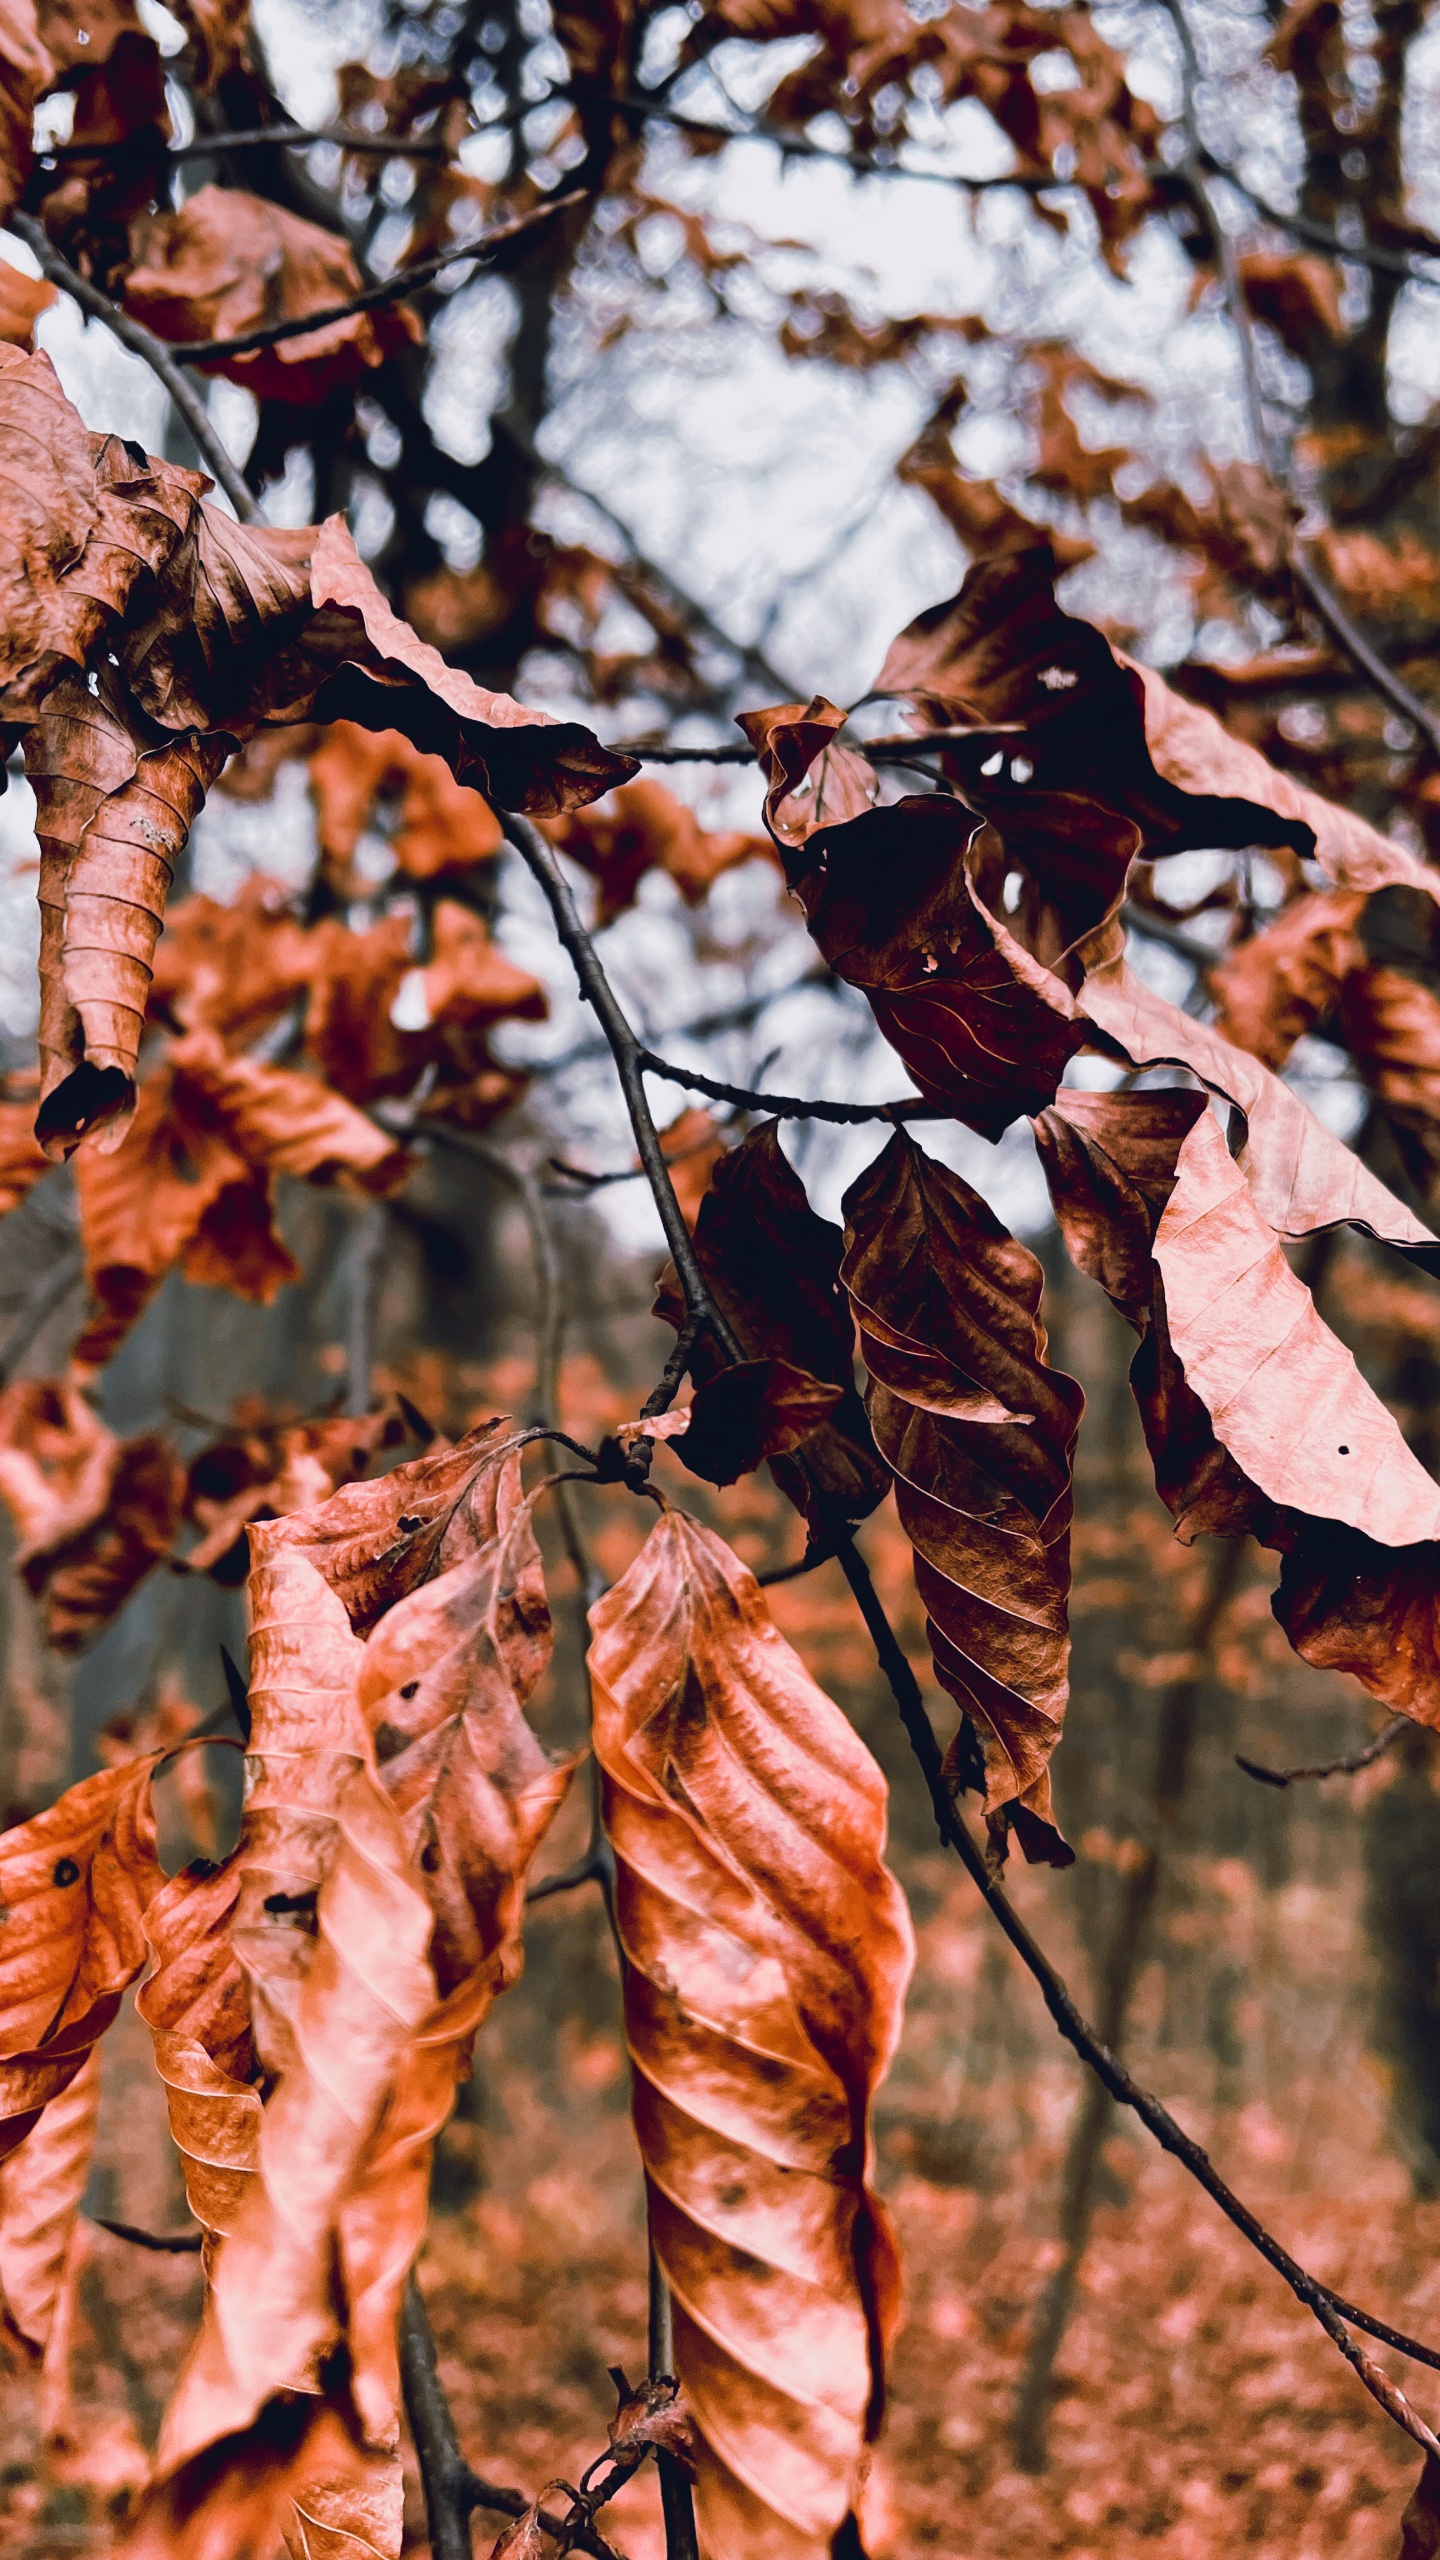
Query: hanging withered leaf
[[197, 2008], [773, 1268], [1301, 1176], [443, 1686], [74, 1884], [756, 1410], [979, 1432], [230, 626], [1002, 660], [88, 525], [41, 2185], [1152, 1206], [767, 1948], [92, 1513], [1274, 988], [228, 262], [905, 904], [373, 1543], [643, 827]]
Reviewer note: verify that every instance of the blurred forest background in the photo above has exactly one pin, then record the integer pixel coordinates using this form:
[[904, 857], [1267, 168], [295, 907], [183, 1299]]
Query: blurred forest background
[[851, 293]]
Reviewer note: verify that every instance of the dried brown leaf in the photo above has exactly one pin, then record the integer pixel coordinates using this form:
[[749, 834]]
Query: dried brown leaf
[[82, 1580], [41, 2185], [767, 1950], [177, 1191], [757, 1409], [197, 2008], [229, 262], [773, 1268], [643, 827], [88, 525], [1274, 988], [74, 1883], [373, 1543], [1345, 1601], [270, 2317], [979, 1432], [1301, 1176]]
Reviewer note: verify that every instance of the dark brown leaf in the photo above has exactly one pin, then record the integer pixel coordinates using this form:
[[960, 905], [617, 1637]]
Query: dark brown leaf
[[980, 1434], [759, 1409], [773, 1267]]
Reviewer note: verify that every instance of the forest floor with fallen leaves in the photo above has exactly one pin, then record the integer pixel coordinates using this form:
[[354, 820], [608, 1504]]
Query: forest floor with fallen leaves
[[1198, 2408]]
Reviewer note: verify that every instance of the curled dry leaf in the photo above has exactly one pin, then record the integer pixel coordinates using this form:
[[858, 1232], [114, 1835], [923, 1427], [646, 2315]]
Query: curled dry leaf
[[810, 781], [655, 2413], [643, 827], [755, 1410], [440, 825], [41, 2185], [767, 1948], [443, 1686], [74, 1883], [1302, 1177], [1345, 1600], [229, 262], [232, 969], [87, 525], [1274, 988], [270, 2317], [376, 1020], [242, 624], [979, 1432], [773, 1268], [196, 2006]]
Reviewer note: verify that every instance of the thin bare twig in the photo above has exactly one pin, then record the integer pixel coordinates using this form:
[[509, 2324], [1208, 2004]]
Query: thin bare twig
[[452, 2490], [173, 2244], [203, 351], [1347, 1767], [270, 137], [151, 350], [789, 1106]]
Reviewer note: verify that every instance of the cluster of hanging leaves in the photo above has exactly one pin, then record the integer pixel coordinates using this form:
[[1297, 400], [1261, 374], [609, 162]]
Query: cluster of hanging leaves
[[314, 1997]]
